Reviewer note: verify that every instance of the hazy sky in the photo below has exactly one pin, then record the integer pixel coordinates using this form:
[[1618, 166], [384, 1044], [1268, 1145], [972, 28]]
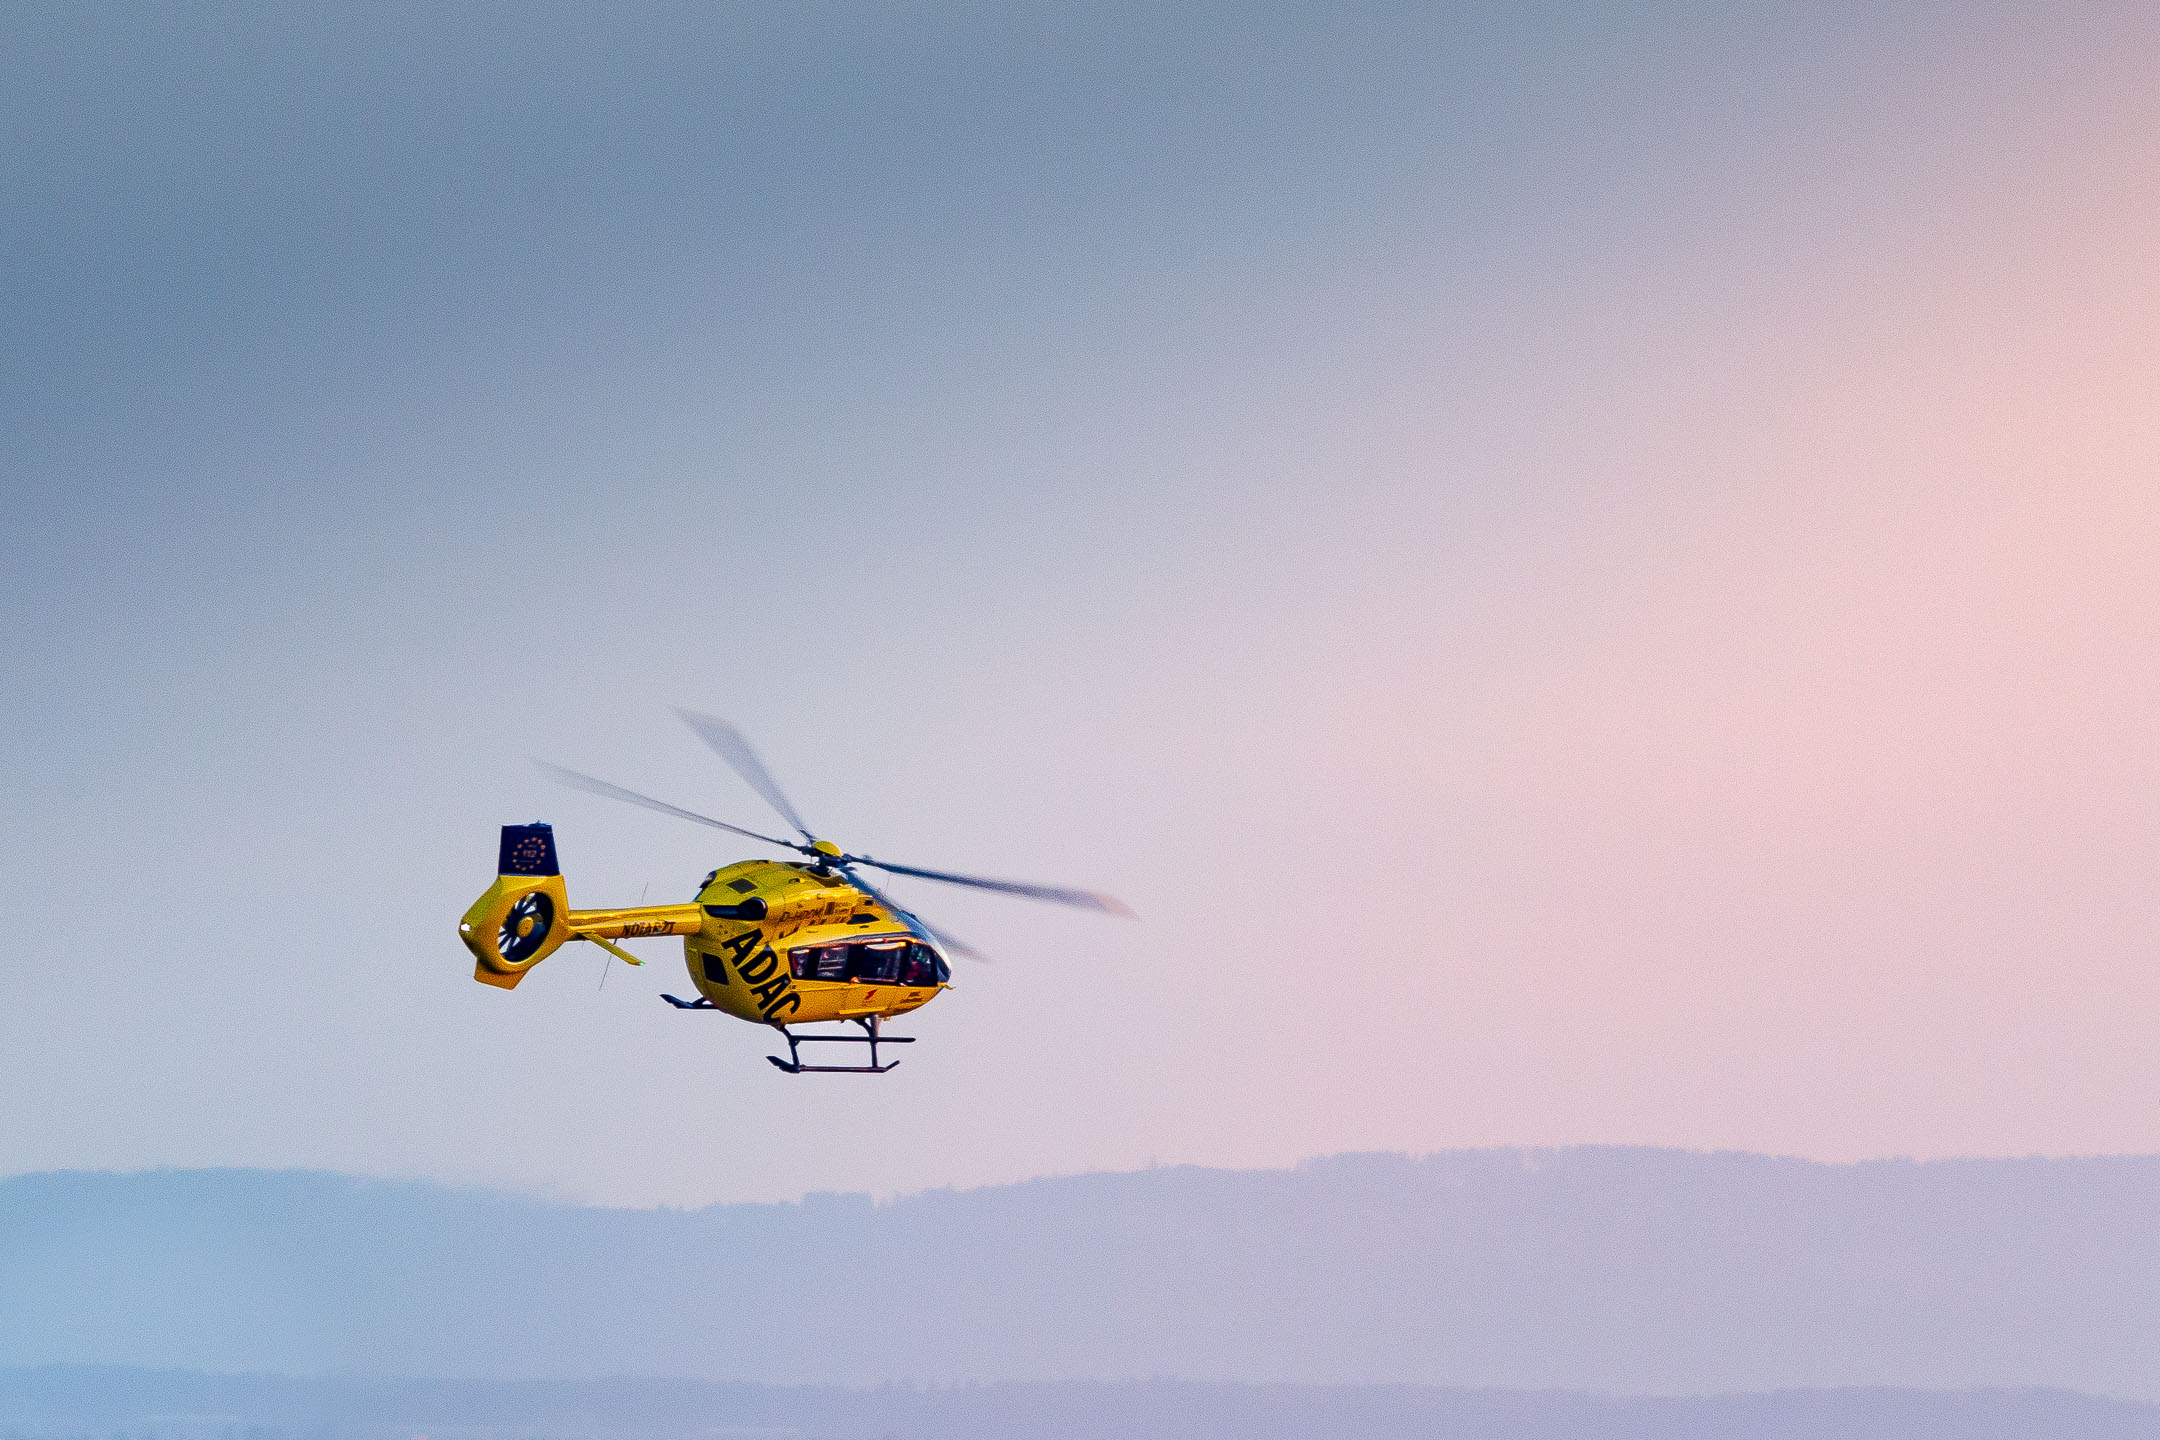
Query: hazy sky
[[1592, 572]]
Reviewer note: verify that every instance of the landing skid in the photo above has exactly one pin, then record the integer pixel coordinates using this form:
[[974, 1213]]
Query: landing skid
[[871, 1036], [793, 1064]]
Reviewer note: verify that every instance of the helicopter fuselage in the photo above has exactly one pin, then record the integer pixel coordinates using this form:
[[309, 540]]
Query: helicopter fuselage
[[785, 943]]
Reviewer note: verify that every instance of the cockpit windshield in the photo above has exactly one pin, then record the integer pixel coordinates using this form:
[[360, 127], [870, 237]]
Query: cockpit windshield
[[886, 961]]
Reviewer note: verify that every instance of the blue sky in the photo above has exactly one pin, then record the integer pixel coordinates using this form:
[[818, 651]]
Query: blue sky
[[1583, 568]]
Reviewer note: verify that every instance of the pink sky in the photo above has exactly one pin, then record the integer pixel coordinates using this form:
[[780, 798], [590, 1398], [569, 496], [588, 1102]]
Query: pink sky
[[1591, 582]]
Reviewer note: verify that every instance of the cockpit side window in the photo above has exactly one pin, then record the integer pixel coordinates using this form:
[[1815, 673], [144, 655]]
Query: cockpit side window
[[878, 962], [875, 962], [819, 962]]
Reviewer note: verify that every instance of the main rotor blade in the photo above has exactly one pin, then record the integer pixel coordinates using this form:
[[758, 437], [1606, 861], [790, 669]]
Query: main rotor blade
[[728, 743], [915, 922], [1057, 894], [577, 781]]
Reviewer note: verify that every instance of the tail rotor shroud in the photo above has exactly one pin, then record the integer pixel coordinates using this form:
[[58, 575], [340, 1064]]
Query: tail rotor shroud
[[525, 929]]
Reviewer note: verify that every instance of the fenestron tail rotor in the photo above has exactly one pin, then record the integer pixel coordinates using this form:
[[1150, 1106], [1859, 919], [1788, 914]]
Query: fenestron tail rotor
[[733, 747], [525, 929]]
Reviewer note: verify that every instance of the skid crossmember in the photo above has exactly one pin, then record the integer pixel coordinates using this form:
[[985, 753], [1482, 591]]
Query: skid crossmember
[[871, 1036]]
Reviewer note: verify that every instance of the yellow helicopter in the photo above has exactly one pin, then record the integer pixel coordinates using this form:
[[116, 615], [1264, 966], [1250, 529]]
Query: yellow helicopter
[[776, 942]]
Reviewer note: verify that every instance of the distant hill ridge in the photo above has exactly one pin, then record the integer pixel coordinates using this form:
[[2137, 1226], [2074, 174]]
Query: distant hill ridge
[[1626, 1270], [94, 1403]]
